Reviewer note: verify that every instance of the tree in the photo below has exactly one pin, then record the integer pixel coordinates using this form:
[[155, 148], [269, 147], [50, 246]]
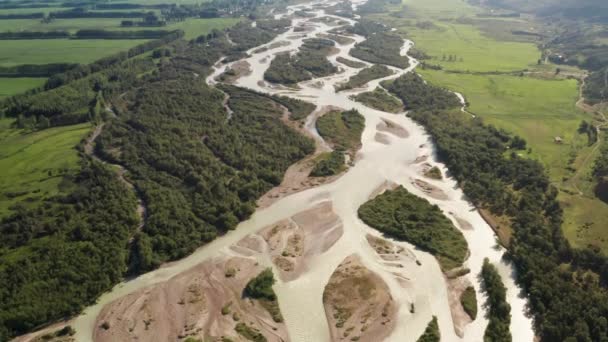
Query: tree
[[260, 287]]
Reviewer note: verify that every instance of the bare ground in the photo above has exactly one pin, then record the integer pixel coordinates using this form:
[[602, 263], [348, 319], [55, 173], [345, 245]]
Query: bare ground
[[204, 302], [358, 304], [455, 289], [297, 177], [238, 70], [392, 128], [430, 189], [292, 242], [382, 138]]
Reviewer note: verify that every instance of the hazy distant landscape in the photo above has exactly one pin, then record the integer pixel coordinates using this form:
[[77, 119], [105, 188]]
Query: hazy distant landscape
[[277, 170]]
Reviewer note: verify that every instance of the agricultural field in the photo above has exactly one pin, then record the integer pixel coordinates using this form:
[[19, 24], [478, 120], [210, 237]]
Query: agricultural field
[[15, 52], [512, 103], [33, 164], [464, 48], [193, 27], [10, 86]]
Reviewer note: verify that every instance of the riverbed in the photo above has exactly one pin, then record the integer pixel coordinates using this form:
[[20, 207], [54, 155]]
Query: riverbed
[[395, 160]]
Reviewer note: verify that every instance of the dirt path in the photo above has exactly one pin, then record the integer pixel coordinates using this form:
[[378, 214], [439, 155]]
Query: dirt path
[[89, 149]]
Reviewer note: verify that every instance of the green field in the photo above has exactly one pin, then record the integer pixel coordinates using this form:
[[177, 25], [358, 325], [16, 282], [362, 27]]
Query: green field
[[437, 8], [196, 27], [32, 163], [538, 110], [42, 51], [192, 27], [10, 86], [471, 50]]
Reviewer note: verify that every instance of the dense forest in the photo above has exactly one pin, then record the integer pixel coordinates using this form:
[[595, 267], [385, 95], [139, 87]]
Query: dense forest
[[565, 286], [310, 61], [380, 47], [197, 170], [59, 257], [404, 216], [499, 312], [414, 93]]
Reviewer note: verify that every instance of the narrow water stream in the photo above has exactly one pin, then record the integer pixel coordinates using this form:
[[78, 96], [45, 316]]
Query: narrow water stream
[[376, 163]]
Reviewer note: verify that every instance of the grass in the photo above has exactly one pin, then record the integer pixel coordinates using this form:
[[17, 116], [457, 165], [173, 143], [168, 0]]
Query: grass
[[538, 110], [196, 27], [471, 50], [15, 52], [438, 8], [32, 164], [10, 86], [193, 27]]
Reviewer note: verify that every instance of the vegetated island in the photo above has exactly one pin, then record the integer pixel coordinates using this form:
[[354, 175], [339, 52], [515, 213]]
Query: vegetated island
[[311, 61], [380, 99], [365, 75], [500, 310], [404, 216], [342, 130]]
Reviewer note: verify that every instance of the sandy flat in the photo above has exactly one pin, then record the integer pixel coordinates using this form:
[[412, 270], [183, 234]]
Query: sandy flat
[[429, 189], [294, 241], [382, 138], [190, 304], [358, 304], [392, 128]]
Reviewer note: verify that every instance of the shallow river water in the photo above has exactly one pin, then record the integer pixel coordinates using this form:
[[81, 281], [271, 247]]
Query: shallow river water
[[376, 163]]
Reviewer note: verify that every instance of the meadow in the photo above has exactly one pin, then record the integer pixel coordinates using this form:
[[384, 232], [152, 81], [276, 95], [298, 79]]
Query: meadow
[[193, 27], [537, 110], [10, 86], [33, 164], [43, 51], [465, 48]]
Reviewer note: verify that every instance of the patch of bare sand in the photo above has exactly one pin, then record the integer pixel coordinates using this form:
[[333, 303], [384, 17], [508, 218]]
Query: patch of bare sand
[[358, 304], [460, 318], [421, 159], [387, 185], [204, 302], [342, 40], [382, 138], [236, 71], [392, 128], [430, 189], [292, 242], [464, 224]]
